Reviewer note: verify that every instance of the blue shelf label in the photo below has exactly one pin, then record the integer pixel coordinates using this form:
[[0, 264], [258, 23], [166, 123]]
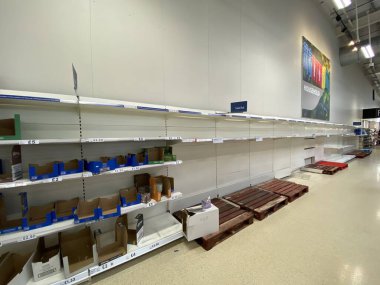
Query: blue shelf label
[[239, 107]]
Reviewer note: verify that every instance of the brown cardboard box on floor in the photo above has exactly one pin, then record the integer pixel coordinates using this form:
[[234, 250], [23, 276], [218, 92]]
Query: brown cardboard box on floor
[[15, 269], [113, 244], [167, 186], [46, 261], [78, 251]]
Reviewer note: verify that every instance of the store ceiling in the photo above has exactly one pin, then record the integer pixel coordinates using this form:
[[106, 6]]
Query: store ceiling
[[345, 30]]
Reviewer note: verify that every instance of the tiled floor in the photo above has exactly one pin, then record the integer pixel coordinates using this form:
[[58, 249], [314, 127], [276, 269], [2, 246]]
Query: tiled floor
[[329, 236]]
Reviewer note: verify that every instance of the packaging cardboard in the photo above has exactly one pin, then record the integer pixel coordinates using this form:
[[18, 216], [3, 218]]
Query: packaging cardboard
[[105, 164], [11, 169], [129, 196], [168, 154], [136, 230], [167, 187], [46, 261], [10, 129], [37, 216], [71, 167], [7, 226], [15, 268], [154, 155], [121, 161], [113, 244], [141, 180], [109, 207], [78, 251], [197, 223], [132, 160], [65, 209], [38, 172], [86, 211]]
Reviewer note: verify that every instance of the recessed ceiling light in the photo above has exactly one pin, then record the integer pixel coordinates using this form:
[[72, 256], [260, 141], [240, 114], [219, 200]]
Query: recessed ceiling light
[[351, 43]]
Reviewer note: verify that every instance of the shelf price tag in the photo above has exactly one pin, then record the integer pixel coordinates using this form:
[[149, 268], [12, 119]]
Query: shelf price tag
[[259, 139], [135, 168], [217, 140], [95, 140], [155, 245], [174, 197], [27, 237], [151, 203], [87, 174], [69, 281], [139, 139], [119, 170], [53, 179], [173, 138], [29, 142]]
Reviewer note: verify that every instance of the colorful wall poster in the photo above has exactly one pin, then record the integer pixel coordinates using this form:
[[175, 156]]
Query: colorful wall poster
[[315, 98]]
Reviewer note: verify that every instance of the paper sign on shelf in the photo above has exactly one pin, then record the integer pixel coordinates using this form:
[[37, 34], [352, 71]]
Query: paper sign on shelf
[[27, 237], [53, 179], [217, 140], [95, 140], [259, 139], [138, 139]]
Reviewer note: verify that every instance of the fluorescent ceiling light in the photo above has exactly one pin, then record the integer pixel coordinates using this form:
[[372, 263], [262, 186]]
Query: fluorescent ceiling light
[[367, 51], [355, 49], [351, 43], [340, 4]]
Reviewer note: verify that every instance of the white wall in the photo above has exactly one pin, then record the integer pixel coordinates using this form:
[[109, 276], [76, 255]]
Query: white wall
[[201, 54], [190, 53]]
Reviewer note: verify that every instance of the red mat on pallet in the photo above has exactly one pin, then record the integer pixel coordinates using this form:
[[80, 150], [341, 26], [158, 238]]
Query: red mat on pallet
[[335, 164]]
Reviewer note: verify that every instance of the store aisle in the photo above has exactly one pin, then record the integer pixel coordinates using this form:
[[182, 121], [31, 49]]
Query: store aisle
[[329, 236]]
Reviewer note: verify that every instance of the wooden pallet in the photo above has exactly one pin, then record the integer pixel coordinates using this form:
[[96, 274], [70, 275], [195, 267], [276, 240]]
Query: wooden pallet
[[231, 220], [289, 189], [359, 154], [260, 202], [321, 169]]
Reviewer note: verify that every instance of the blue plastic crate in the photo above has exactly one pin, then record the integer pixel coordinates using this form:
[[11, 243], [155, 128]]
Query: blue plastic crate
[[39, 172], [105, 164], [71, 167]]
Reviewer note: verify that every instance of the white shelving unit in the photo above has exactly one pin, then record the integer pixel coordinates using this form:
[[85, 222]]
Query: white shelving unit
[[85, 174], [22, 236], [104, 123], [158, 231]]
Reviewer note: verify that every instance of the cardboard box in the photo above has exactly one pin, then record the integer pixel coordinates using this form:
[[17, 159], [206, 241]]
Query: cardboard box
[[71, 167], [103, 165], [154, 155], [87, 210], [36, 216], [168, 154], [132, 160], [197, 223], [129, 196], [65, 209], [38, 172], [136, 230], [121, 161], [11, 169], [109, 207], [112, 244], [7, 226], [10, 129], [15, 268], [167, 187], [78, 251], [46, 261]]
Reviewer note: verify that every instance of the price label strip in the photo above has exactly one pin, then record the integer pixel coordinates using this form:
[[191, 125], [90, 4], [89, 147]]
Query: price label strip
[[54, 179], [27, 237]]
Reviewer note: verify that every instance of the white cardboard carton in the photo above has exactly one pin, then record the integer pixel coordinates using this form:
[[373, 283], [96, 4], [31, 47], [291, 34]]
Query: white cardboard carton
[[198, 223], [46, 261]]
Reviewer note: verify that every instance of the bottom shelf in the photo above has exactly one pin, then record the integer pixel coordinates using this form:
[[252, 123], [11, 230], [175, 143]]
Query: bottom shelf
[[158, 231], [341, 159]]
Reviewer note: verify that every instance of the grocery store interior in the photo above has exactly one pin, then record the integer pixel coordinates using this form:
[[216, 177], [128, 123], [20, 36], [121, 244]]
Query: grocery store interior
[[189, 141]]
